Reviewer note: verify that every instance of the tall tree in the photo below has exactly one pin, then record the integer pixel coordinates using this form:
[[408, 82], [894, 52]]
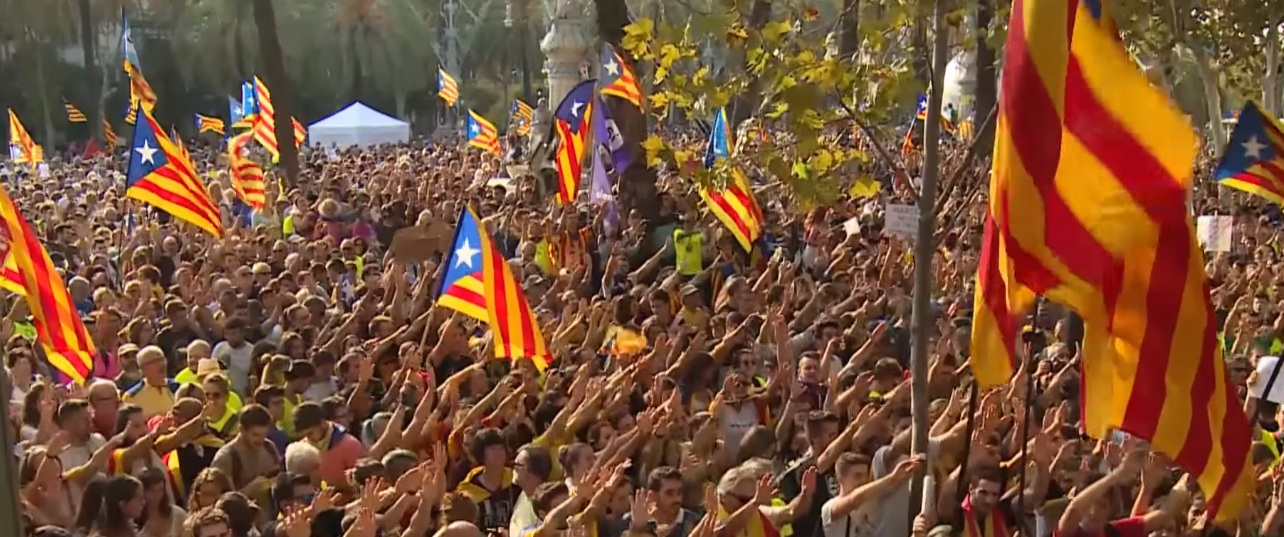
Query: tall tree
[[849, 22], [93, 78], [637, 184], [282, 97], [987, 73]]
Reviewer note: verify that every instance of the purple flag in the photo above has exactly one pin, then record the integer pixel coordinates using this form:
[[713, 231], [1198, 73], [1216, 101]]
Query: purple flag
[[606, 133], [600, 185]]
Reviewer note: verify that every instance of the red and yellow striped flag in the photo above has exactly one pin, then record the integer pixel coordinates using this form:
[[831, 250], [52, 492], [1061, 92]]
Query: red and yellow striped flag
[[247, 176], [1093, 215], [11, 279], [140, 91], [300, 132], [29, 152], [109, 136], [736, 208], [265, 120], [68, 347]]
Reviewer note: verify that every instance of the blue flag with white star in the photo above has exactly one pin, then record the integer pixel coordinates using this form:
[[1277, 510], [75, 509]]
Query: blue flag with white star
[[158, 174], [1254, 158], [719, 145]]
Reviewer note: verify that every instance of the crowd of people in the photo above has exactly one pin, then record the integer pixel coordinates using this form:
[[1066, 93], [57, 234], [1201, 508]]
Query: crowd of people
[[296, 379]]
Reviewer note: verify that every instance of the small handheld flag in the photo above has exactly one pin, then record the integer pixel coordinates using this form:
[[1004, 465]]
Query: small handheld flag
[[482, 133], [1254, 157], [74, 114], [447, 87], [618, 79]]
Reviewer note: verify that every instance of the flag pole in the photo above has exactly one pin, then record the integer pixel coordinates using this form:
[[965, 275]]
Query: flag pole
[[10, 510], [922, 324]]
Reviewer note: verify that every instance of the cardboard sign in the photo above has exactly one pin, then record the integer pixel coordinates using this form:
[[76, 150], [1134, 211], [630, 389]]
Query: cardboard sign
[[901, 221], [415, 244]]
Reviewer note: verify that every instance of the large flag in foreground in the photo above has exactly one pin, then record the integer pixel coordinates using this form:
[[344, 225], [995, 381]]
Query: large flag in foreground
[[1254, 157], [160, 175], [479, 283], [68, 347], [1087, 207]]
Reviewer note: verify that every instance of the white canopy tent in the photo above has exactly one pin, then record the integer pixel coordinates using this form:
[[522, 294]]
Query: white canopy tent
[[360, 125]]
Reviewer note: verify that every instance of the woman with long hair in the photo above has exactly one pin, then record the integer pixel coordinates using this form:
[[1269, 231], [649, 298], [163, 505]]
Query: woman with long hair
[[161, 518], [122, 502], [208, 487], [91, 502]]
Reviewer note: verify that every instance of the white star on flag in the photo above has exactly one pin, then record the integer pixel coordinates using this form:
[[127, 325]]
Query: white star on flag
[[464, 255], [1253, 148], [613, 68], [476, 128], [148, 153], [575, 108]]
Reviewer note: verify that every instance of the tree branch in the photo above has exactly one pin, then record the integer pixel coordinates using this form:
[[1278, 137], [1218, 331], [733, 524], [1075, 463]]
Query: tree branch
[[898, 171]]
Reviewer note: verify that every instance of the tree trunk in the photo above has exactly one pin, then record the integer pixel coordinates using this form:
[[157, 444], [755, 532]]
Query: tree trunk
[[238, 52], [987, 74], [358, 64], [849, 21], [747, 104], [922, 57], [1212, 99], [42, 87], [92, 76], [1270, 80], [637, 183], [282, 97]]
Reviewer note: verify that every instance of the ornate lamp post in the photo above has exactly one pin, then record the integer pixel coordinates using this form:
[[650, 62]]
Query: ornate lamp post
[[566, 46], [515, 16]]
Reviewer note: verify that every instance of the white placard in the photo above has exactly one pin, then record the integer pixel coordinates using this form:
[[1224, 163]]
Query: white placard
[[852, 226], [43, 170], [1215, 232], [901, 221], [1269, 384]]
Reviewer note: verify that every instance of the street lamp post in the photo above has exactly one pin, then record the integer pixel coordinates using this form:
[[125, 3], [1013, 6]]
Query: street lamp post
[[515, 16]]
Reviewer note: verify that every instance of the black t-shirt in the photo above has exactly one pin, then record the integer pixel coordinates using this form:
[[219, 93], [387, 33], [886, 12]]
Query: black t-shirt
[[789, 484]]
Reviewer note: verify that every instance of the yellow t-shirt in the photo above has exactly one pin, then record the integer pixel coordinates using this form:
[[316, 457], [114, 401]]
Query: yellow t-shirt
[[286, 423], [153, 400]]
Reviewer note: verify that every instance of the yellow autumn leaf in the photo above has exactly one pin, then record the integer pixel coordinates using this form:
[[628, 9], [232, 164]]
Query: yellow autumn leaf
[[737, 35], [637, 37], [654, 147], [865, 187], [659, 100]]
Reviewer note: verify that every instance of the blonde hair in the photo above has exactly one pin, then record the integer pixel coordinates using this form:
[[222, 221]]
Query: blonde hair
[[274, 371]]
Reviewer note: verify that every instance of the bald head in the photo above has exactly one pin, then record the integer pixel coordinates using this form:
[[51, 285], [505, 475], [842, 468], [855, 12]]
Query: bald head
[[459, 529]]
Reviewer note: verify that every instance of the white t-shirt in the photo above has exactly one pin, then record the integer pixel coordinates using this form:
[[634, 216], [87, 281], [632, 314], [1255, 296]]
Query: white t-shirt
[[736, 423], [858, 523], [76, 456], [238, 361], [891, 518]]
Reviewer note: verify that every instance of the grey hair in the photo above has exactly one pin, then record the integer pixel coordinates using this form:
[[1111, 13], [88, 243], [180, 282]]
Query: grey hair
[[298, 454], [735, 476]]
